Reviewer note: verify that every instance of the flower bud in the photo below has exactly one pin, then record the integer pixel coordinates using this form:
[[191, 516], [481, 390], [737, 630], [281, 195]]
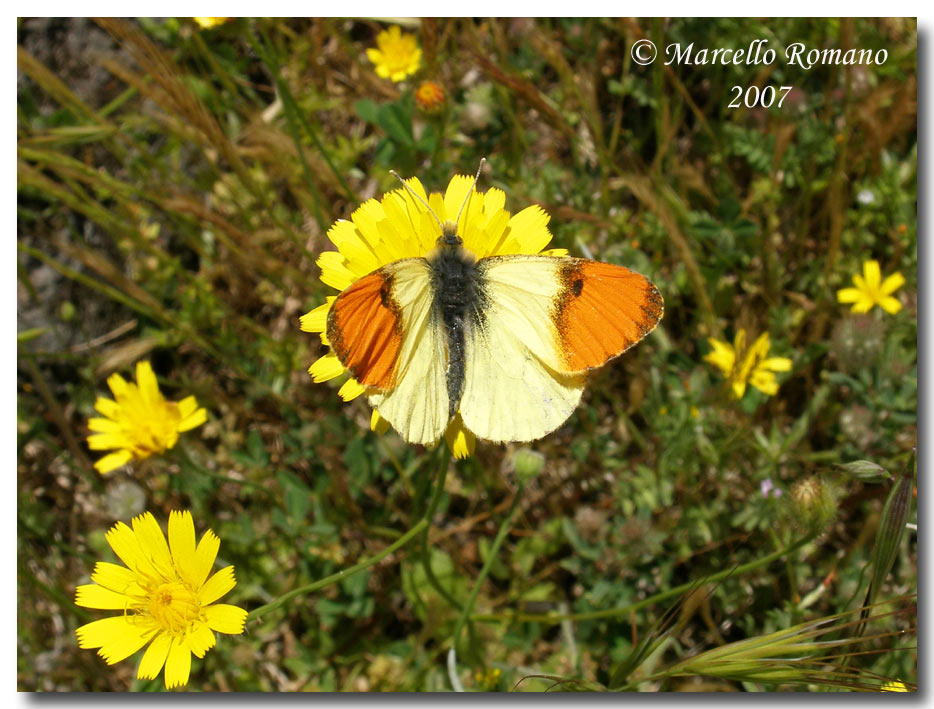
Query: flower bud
[[429, 97], [528, 464], [813, 503]]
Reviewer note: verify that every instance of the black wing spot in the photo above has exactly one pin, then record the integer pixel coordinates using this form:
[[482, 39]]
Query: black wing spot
[[577, 286], [385, 296]]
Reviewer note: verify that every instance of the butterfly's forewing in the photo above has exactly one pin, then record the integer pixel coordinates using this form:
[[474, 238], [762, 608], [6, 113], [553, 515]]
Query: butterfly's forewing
[[544, 322], [381, 328], [601, 311]]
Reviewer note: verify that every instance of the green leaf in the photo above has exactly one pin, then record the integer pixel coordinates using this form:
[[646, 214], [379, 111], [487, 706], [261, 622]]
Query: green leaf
[[397, 123], [367, 110]]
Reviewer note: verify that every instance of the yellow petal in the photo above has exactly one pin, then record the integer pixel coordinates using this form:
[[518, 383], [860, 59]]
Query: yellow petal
[[849, 295], [117, 384], [205, 555], [123, 541], [374, 55], [863, 304], [495, 236], [152, 542], [108, 407], [455, 196], [193, 420], [225, 618], [461, 441], [722, 356], [117, 578], [776, 364], [187, 406], [739, 388], [378, 423], [350, 390], [177, 664], [873, 274], [101, 425], [892, 283], [528, 231], [764, 381], [154, 657], [760, 348], [93, 596], [111, 462], [117, 637], [200, 639], [890, 305], [316, 320], [494, 199], [325, 368], [182, 544], [359, 256], [146, 382], [107, 441], [219, 584], [334, 271]]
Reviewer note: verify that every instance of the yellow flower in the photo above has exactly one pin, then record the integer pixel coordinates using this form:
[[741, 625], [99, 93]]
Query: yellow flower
[[396, 55], [487, 680], [207, 23], [164, 596], [871, 290], [896, 686], [429, 96], [399, 226], [743, 366], [140, 423]]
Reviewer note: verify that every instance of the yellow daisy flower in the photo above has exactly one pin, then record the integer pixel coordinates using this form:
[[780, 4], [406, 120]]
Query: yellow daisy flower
[[396, 55], [140, 423], [207, 23], [894, 686], [164, 595], [743, 366], [399, 226], [871, 290]]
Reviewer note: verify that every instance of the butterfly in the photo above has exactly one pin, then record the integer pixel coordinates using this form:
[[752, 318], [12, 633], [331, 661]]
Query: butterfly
[[506, 341]]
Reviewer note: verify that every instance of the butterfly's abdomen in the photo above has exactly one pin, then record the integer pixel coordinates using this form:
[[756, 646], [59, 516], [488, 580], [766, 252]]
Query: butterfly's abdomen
[[457, 291]]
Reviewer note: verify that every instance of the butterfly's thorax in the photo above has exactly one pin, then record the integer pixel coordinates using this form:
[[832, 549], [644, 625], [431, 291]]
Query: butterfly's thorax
[[458, 291]]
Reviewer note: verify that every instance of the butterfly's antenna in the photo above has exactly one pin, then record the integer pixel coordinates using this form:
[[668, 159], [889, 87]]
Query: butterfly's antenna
[[418, 197], [470, 191]]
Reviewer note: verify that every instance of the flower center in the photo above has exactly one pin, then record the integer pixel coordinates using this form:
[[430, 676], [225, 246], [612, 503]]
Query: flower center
[[398, 55], [157, 432], [174, 606]]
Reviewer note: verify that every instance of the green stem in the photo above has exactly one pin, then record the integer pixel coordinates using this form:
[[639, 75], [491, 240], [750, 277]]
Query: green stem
[[257, 613], [425, 556], [491, 557], [420, 527], [554, 618]]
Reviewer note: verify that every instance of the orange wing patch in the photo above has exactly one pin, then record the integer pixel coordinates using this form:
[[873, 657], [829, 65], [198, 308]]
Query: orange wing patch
[[602, 311], [365, 330]]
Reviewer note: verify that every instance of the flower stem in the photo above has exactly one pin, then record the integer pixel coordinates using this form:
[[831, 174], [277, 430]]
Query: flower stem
[[651, 600], [425, 554], [491, 557], [257, 613]]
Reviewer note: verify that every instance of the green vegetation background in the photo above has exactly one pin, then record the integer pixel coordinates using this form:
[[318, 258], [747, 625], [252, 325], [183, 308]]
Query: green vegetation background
[[175, 188]]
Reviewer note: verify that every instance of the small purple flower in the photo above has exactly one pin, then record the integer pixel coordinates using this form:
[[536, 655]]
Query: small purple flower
[[768, 489]]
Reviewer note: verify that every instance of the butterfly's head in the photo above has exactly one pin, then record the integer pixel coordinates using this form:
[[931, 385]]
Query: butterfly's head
[[449, 235]]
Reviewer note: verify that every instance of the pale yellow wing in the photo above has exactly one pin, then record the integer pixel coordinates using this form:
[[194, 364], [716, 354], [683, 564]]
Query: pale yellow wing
[[513, 389], [417, 404]]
